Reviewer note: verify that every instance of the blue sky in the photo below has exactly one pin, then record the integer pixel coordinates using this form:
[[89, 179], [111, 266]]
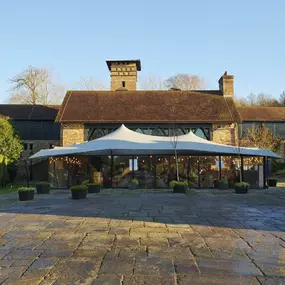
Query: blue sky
[[244, 37]]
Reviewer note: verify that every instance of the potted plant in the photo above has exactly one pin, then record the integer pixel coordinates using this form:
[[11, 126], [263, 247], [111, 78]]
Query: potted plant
[[79, 191], [26, 193], [178, 187], [133, 184], [272, 182], [43, 188], [94, 187], [241, 187], [223, 184]]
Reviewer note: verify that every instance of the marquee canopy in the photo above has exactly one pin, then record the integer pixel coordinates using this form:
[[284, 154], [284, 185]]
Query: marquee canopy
[[124, 141]]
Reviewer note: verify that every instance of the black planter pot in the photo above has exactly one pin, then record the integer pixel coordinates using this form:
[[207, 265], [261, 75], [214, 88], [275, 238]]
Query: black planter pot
[[43, 188], [179, 189], [78, 194], [94, 188], [26, 195], [272, 183], [222, 186], [241, 190]]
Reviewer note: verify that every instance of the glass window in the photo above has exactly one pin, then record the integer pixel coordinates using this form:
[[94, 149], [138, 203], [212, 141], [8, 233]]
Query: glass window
[[121, 171], [144, 172], [193, 170], [253, 171], [280, 130], [162, 172], [230, 169], [209, 170]]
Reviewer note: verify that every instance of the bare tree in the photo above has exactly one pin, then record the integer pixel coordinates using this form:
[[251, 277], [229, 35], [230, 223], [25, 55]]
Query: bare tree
[[174, 138], [261, 99], [185, 82], [152, 82], [261, 137], [282, 99], [35, 86], [90, 83]]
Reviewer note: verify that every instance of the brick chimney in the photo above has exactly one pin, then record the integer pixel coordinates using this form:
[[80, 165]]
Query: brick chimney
[[226, 85], [123, 74]]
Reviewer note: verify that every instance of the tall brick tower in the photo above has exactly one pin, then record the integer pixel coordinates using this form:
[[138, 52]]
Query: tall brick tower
[[123, 74]]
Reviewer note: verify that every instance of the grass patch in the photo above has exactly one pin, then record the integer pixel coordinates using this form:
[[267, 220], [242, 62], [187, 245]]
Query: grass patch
[[12, 188], [7, 190]]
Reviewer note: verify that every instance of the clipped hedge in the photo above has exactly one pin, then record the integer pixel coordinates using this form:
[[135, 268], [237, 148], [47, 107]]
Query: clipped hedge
[[79, 188], [179, 187]]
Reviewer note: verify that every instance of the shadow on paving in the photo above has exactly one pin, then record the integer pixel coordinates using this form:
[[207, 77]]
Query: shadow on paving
[[258, 210], [206, 237]]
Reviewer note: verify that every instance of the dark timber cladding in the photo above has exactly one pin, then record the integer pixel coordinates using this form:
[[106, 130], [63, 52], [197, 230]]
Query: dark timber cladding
[[147, 107]]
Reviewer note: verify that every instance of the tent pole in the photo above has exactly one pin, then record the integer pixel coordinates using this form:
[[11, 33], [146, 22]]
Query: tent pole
[[264, 171], [189, 169], [220, 167], [199, 177], [112, 165], [133, 167], [154, 159], [242, 170]]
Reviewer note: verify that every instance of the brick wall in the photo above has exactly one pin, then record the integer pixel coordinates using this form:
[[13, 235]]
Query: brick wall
[[71, 133], [225, 133]]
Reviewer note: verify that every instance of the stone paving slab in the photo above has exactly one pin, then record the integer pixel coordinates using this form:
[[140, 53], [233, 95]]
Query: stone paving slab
[[205, 237]]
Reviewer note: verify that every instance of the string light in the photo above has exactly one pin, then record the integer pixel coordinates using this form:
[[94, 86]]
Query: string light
[[69, 160]]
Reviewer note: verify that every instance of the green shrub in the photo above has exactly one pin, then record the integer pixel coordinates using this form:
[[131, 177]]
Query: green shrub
[[175, 183], [272, 179], [241, 185], [224, 181], [85, 182], [22, 189], [190, 184], [134, 181], [79, 188]]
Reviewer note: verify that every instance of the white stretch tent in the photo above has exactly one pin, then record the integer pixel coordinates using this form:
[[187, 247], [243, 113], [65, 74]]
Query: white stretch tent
[[124, 141]]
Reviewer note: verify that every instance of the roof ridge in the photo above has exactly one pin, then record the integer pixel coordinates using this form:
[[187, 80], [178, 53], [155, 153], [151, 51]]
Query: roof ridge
[[64, 107], [33, 108]]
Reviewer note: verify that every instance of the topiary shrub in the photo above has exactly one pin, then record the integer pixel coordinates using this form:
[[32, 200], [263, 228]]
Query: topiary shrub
[[94, 187], [79, 192], [241, 187], [26, 193], [178, 187], [85, 182]]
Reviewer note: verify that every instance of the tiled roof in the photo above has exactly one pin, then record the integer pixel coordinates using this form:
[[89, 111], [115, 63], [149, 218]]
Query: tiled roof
[[29, 112], [147, 107], [262, 114]]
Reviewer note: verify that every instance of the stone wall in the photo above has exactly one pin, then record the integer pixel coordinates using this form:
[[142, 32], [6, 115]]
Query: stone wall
[[126, 73], [71, 133], [225, 133]]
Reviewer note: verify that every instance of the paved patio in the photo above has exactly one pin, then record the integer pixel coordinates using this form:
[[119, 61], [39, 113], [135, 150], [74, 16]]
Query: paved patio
[[207, 237]]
